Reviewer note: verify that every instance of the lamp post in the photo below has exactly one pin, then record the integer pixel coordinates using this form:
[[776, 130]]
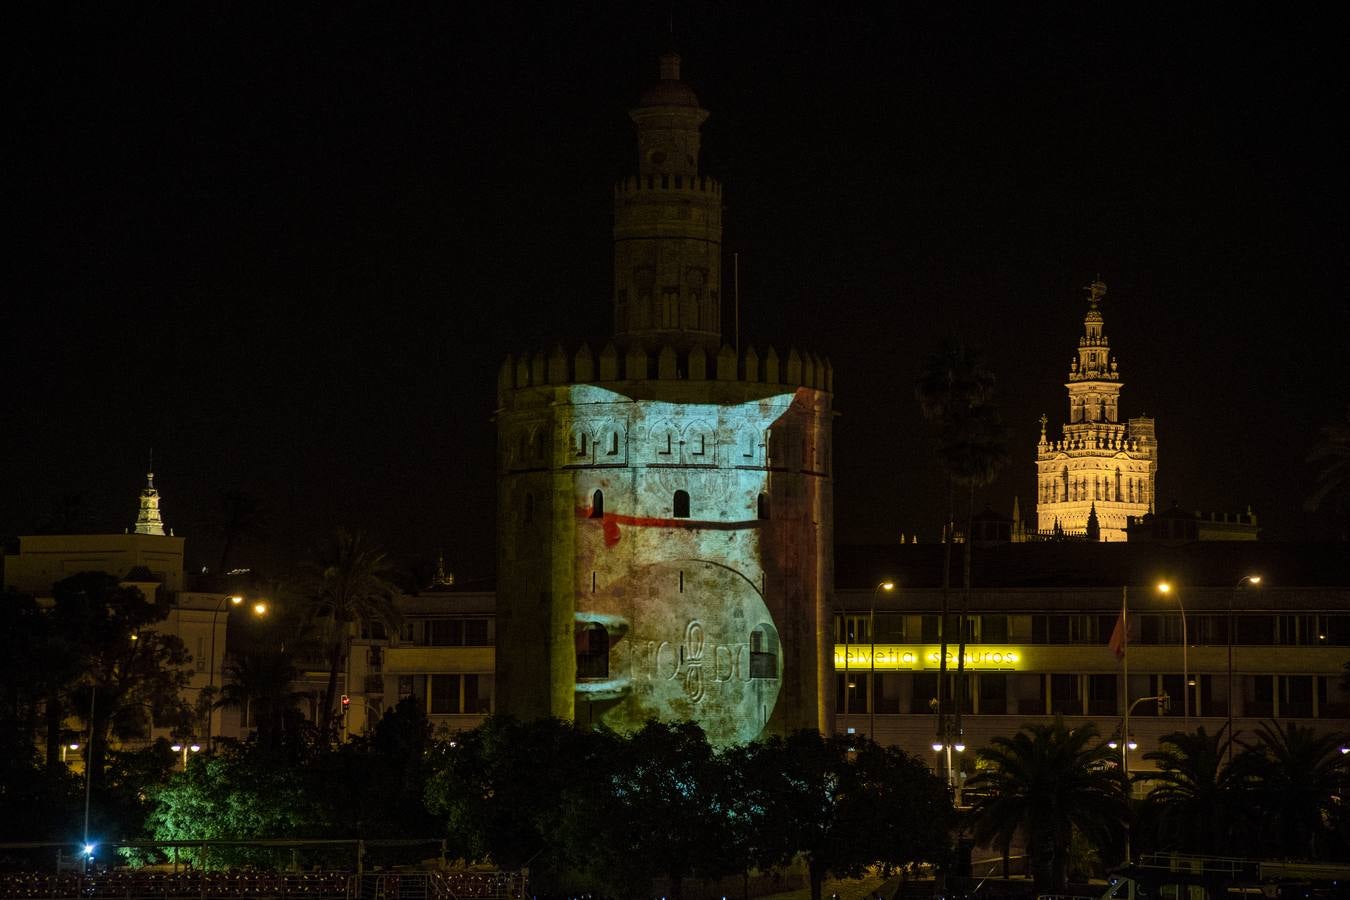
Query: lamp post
[[1127, 743], [1254, 581], [259, 609], [1166, 588], [887, 585]]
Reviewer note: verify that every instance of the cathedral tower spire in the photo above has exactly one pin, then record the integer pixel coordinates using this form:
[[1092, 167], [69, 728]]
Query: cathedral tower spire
[[668, 226], [1103, 471]]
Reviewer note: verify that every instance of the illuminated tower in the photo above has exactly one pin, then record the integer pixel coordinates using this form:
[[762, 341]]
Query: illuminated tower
[[668, 227], [148, 520], [664, 505], [1100, 464]]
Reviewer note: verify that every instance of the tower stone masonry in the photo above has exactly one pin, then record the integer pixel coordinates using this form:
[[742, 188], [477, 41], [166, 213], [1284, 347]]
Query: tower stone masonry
[[1100, 465], [665, 545]]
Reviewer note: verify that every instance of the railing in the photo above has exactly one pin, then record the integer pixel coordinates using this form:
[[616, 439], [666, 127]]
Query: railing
[[189, 885]]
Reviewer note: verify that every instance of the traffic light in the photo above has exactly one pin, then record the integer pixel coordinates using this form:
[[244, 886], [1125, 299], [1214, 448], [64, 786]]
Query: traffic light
[[346, 702], [1164, 703]]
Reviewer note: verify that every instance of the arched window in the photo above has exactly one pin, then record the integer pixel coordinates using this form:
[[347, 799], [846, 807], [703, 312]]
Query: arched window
[[764, 506], [598, 505], [681, 504], [763, 652], [592, 651], [529, 507]]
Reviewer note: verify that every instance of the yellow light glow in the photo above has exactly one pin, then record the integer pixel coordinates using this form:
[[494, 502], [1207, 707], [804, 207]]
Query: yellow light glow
[[888, 585], [910, 657], [1254, 579], [1164, 587], [260, 608], [236, 599]]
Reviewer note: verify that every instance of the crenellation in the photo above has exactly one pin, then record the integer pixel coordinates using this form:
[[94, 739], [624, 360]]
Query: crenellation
[[804, 369]]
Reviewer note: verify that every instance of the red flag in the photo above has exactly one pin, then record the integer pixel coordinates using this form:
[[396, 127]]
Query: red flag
[[1118, 638]]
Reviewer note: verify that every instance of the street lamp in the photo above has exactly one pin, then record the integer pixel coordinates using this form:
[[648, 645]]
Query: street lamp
[[886, 585], [259, 609], [1127, 743], [1254, 581], [1165, 588], [185, 749]]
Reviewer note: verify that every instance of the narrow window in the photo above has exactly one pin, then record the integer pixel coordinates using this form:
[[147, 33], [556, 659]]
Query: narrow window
[[592, 651], [764, 506], [613, 444], [667, 449], [700, 445], [681, 504], [763, 652], [598, 505], [581, 444]]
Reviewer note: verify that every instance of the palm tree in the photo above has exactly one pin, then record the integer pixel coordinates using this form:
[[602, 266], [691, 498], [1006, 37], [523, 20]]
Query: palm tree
[[240, 520], [955, 393], [1047, 782], [1332, 452], [1298, 776], [261, 682], [348, 585], [1196, 803]]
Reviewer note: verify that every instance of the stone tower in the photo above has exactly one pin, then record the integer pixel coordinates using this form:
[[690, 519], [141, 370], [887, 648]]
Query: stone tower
[[1101, 465], [665, 545]]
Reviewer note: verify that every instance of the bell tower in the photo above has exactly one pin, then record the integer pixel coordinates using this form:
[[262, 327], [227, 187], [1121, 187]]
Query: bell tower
[[1102, 469], [668, 227]]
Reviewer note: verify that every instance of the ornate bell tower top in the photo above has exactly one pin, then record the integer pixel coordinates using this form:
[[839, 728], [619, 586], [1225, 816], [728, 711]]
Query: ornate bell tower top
[[148, 520], [1094, 362]]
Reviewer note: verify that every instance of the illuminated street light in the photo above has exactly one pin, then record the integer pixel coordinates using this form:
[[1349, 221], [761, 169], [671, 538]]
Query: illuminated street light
[[1165, 588], [259, 609], [1254, 581], [886, 585]]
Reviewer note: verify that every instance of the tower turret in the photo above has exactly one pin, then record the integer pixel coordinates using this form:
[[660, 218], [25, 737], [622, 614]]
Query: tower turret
[[148, 520], [668, 227]]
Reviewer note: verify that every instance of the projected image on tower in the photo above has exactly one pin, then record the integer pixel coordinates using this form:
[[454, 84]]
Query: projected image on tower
[[671, 621]]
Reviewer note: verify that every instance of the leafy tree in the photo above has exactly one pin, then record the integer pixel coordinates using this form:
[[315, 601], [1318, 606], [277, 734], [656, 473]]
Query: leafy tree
[[1196, 803], [1045, 782], [348, 583], [238, 794], [527, 793], [668, 779], [131, 675], [814, 798], [1298, 776], [36, 666], [955, 393]]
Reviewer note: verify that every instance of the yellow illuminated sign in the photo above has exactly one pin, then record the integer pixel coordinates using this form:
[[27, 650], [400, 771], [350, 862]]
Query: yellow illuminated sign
[[910, 657]]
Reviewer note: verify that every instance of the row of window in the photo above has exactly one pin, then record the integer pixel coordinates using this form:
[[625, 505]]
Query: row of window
[[451, 694], [1038, 694], [1303, 629]]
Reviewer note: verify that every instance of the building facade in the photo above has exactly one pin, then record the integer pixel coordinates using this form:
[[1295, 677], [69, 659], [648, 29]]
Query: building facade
[[664, 505], [1101, 467], [1039, 629]]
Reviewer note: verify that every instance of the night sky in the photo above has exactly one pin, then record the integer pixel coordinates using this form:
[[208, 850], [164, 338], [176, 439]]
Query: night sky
[[287, 246]]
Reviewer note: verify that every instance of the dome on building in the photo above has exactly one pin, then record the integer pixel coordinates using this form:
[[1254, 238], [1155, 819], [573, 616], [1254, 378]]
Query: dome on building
[[670, 90]]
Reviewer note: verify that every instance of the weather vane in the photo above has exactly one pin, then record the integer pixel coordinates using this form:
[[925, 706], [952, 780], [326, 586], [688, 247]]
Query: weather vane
[[1096, 291]]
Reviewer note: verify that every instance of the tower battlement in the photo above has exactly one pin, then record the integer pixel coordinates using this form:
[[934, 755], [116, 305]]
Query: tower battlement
[[670, 183], [558, 367]]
